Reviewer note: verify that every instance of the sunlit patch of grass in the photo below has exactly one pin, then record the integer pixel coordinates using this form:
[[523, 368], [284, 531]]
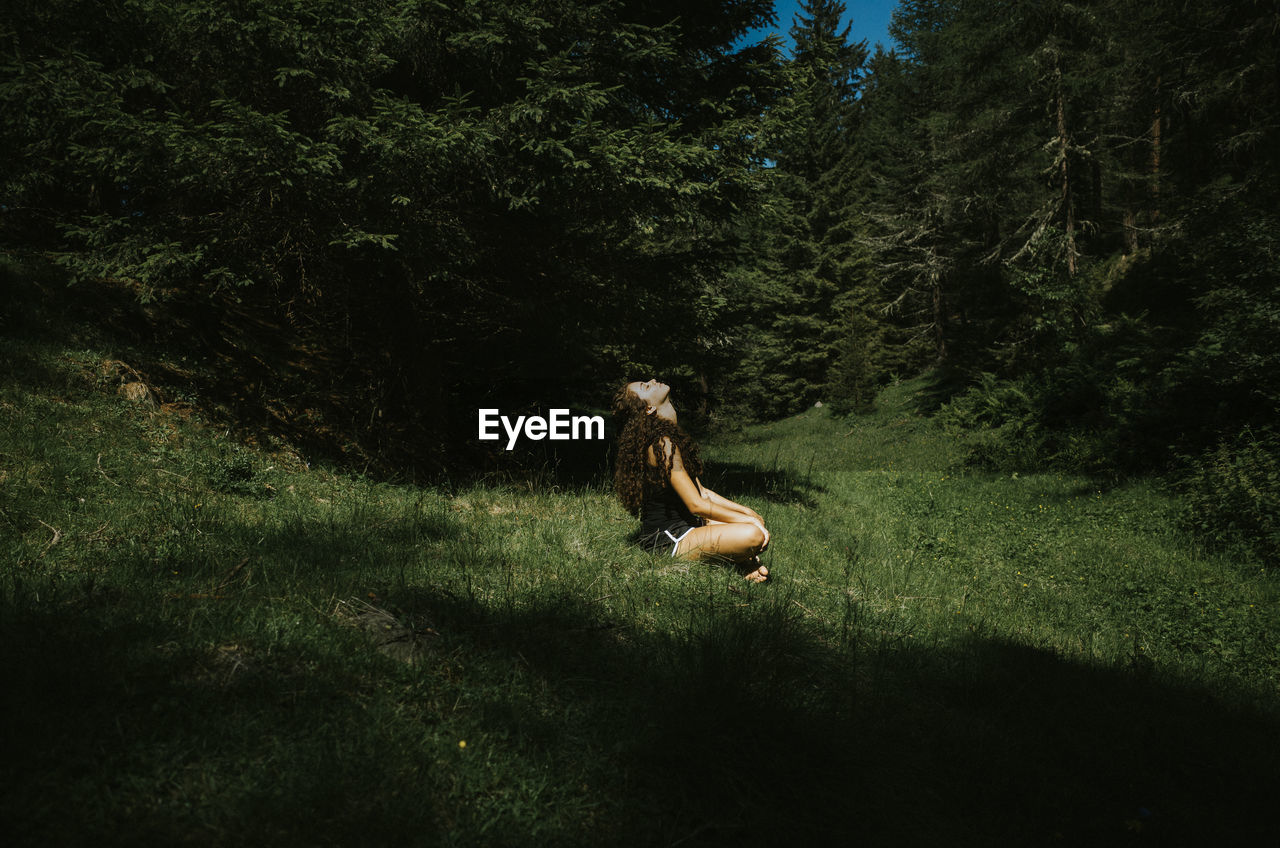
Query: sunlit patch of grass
[[1055, 561]]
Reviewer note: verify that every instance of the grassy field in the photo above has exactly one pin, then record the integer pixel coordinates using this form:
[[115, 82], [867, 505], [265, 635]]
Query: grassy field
[[206, 644]]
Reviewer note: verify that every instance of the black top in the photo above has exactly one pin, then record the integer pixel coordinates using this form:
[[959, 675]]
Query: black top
[[662, 509]]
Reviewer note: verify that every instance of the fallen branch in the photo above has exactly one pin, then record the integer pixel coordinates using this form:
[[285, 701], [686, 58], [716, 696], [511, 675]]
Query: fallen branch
[[816, 615], [231, 575], [185, 480], [96, 535], [57, 536], [104, 474]]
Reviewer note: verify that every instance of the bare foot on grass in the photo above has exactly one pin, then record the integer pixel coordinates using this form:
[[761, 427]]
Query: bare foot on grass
[[758, 574]]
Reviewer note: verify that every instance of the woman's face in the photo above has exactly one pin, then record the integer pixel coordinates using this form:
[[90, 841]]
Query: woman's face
[[653, 393]]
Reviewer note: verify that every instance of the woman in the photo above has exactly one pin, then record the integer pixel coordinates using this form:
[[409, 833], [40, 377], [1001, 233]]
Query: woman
[[657, 479]]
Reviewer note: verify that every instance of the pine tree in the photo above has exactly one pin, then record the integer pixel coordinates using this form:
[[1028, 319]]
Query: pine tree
[[802, 264], [492, 199]]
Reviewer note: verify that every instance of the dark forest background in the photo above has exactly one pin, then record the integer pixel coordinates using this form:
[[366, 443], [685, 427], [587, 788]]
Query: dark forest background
[[360, 221]]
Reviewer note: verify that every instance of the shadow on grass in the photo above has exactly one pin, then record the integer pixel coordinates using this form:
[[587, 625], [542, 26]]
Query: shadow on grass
[[740, 726], [578, 466], [244, 363], [117, 735], [749, 729], [20, 367], [776, 485], [566, 466]]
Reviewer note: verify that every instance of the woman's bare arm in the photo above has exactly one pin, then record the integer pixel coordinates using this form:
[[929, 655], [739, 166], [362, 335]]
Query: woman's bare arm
[[725, 502], [695, 497]]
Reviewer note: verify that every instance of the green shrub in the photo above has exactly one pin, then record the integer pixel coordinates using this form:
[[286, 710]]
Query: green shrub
[[992, 402], [235, 473], [1003, 415], [1103, 408], [1232, 493]]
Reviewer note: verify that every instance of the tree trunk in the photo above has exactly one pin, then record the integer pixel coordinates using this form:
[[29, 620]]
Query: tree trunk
[[1157, 122], [1130, 229], [1063, 155], [939, 324]]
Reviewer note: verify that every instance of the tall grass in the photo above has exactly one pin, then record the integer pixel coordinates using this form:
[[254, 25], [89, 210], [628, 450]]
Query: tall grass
[[204, 643]]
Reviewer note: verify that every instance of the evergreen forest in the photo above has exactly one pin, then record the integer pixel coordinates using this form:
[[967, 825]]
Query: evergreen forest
[[380, 216]]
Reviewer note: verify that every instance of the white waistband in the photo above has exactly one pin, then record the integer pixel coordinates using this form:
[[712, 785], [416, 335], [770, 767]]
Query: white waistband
[[676, 539]]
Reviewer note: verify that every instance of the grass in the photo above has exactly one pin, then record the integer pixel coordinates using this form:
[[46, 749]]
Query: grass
[[203, 643]]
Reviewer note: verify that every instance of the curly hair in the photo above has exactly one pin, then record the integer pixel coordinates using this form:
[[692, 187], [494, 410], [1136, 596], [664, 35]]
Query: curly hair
[[637, 432]]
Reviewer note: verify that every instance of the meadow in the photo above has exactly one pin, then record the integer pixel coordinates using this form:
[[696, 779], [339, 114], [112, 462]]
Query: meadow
[[207, 643]]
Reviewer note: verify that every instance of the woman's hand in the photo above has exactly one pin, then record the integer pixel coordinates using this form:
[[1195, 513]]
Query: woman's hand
[[728, 504]]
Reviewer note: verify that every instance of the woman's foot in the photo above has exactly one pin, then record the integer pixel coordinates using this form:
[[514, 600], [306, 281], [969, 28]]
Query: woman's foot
[[755, 571]]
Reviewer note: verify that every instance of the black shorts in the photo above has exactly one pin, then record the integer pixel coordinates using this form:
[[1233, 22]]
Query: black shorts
[[666, 540]]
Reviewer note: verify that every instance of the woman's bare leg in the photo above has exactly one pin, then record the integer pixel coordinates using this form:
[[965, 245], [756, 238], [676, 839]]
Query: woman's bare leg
[[740, 543]]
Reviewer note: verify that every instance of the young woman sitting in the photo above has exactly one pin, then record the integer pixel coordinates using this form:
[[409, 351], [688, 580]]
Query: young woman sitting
[[656, 478]]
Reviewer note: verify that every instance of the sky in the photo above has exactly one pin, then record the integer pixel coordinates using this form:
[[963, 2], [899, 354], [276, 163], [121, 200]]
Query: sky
[[870, 19]]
